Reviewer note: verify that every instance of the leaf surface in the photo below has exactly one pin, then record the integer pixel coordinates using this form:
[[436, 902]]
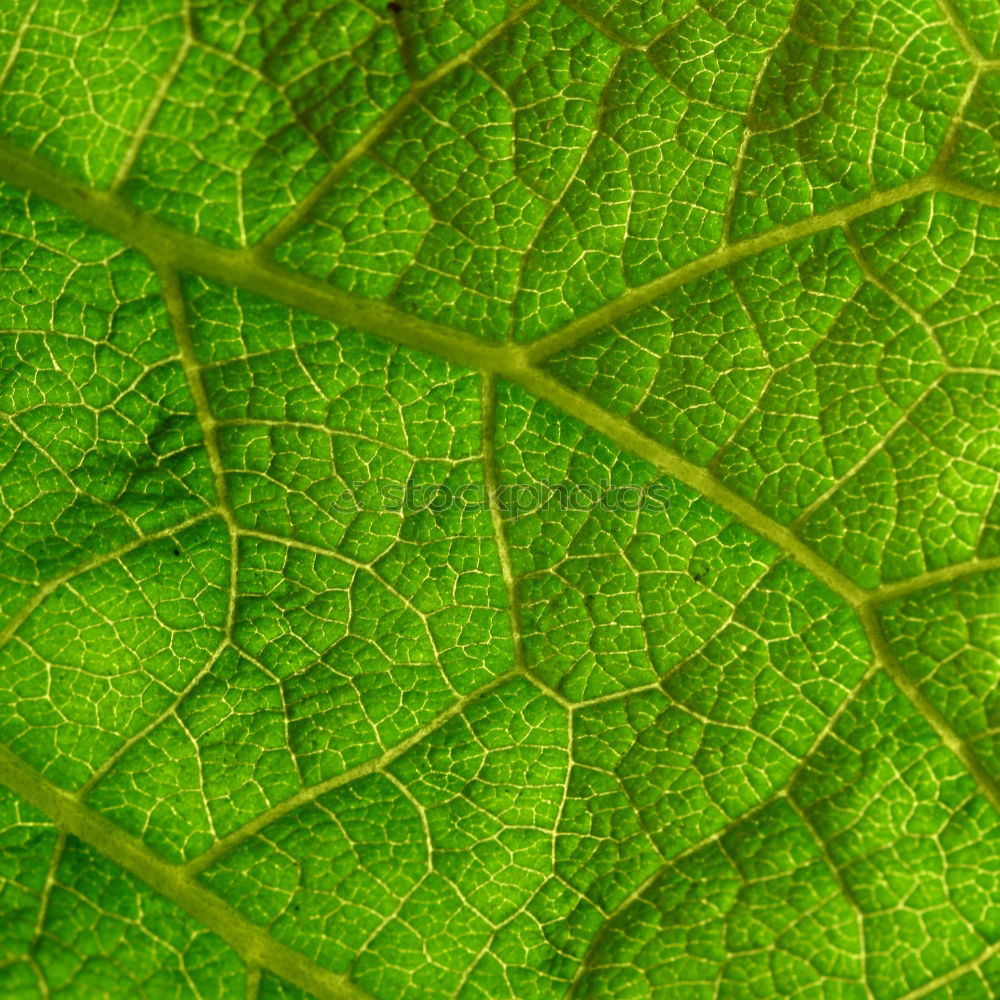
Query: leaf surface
[[272, 727]]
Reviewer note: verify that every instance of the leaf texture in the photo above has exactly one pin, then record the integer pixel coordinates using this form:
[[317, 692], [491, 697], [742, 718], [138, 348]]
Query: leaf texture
[[264, 734]]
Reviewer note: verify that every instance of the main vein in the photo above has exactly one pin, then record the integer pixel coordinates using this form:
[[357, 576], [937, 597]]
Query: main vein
[[172, 250]]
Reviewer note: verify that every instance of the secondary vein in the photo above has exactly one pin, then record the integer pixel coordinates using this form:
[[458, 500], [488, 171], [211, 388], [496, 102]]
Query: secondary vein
[[254, 944]]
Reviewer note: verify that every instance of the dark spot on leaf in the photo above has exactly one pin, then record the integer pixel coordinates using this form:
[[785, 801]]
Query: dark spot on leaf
[[559, 602], [177, 552], [394, 7]]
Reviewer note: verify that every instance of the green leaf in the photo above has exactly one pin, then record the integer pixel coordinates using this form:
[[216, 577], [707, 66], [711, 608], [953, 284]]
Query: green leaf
[[499, 501]]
